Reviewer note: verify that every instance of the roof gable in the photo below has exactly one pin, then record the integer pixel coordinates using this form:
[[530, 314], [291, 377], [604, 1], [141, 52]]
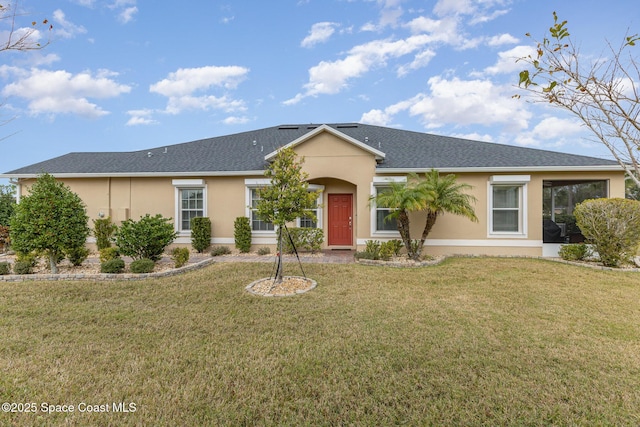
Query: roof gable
[[379, 155]]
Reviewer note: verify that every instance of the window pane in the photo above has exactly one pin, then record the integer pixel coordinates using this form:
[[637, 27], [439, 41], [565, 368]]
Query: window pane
[[506, 221], [385, 225], [506, 197]]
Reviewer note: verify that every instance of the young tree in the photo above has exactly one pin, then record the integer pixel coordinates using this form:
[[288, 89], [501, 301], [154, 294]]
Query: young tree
[[287, 198], [50, 219], [602, 93], [434, 195]]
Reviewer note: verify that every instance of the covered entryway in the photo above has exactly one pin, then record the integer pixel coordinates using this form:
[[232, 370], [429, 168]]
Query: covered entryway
[[340, 218]]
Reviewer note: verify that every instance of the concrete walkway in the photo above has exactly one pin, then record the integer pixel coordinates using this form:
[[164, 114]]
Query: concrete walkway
[[323, 257]]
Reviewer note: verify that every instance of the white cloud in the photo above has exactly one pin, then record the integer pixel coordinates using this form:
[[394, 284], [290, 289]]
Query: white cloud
[[181, 85], [233, 120], [126, 15], [65, 28], [507, 60], [188, 80], [125, 10], [552, 129], [141, 117], [319, 33], [502, 39], [459, 103], [330, 77], [60, 92]]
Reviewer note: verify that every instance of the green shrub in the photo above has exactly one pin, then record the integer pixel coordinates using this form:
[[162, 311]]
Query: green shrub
[[201, 233], [364, 255], [180, 256], [612, 226], [77, 255], [146, 238], [104, 230], [141, 266], [305, 239], [242, 234], [386, 251], [220, 250], [107, 254], [22, 267], [112, 266], [264, 251], [574, 252], [30, 258], [5, 268], [372, 247]]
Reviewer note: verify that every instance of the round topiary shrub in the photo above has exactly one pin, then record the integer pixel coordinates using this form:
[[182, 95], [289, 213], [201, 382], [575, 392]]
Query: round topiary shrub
[[141, 266], [112, 266]]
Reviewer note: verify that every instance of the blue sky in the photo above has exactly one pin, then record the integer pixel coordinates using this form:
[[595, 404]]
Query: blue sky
[[122, 75]]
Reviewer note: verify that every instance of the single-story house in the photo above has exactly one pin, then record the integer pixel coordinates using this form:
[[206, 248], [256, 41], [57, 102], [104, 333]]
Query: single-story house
[[517, 189]]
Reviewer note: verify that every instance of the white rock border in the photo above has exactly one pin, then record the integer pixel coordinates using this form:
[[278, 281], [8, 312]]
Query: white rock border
[[250, 287]]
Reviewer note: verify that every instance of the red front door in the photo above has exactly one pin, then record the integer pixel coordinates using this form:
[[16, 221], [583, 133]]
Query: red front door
[[340, 219]]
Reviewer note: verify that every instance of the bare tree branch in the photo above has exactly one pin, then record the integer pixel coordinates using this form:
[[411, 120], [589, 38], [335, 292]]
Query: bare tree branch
[[603, 94]]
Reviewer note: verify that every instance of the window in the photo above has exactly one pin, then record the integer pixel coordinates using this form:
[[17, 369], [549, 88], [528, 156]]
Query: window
[[191, 202], [382, 222], [192, 205], [506, 208], [306, 222], [380, 225], [258, 224], [507, 196]]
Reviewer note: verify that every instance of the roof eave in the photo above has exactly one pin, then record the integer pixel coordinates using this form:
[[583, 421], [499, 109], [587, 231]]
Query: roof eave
[[136, 174], [506, 169]]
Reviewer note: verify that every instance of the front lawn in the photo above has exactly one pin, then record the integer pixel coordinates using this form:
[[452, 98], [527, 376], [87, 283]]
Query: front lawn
[[468, 342]]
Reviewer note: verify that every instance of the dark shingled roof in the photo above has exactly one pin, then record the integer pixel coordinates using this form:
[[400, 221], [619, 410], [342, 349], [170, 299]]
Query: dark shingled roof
[[239, 153]]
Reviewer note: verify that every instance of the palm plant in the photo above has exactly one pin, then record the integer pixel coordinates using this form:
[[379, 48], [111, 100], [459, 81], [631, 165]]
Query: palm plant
[[432, 194]]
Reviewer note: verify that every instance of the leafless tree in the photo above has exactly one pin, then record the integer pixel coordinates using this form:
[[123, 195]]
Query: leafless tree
[[601, 92], [21, 38]]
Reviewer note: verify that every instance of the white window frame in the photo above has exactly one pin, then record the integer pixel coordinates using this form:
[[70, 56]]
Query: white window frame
[[186, 184], [381, 182], [254, 184], [522, 182], [318, 209]]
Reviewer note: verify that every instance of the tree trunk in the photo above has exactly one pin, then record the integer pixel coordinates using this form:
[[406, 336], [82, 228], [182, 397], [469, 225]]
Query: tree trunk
[[278, 278], [53, 263], [403, 228], [431, 220]]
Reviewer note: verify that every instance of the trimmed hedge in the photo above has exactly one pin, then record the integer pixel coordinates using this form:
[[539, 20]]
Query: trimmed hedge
[[201, 233]]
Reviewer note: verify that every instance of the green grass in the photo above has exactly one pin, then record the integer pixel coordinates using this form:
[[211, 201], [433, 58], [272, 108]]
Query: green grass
[[469, 342]]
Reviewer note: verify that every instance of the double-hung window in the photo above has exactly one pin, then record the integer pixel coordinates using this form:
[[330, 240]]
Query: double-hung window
[[258, 225], [191, 202], [308, 222], [508, 205], [381, 224]]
